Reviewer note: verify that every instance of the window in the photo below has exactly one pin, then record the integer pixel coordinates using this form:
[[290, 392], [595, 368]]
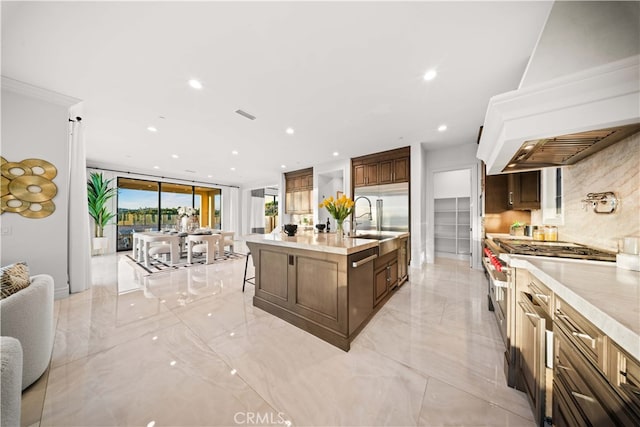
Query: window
[[138, 209], [151, 206], [552, 203]]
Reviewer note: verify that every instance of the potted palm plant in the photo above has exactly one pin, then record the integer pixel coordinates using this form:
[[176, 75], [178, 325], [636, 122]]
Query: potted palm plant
[[98, 194]]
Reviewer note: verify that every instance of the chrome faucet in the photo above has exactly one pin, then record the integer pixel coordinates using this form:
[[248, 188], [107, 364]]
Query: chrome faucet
[[355, 218]]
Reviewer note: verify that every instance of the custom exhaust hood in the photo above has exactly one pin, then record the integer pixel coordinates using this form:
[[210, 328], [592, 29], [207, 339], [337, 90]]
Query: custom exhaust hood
[[562, 121]]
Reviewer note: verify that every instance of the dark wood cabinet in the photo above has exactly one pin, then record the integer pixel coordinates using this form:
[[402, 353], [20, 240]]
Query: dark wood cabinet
[[403, 261], [385, 276], [298, 192], [519, 191], [584, 384], [531, 355], [381, 168], [496, 192], [524, 190]]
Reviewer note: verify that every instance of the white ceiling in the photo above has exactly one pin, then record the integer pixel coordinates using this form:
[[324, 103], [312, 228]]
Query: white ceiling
[[346, 76]]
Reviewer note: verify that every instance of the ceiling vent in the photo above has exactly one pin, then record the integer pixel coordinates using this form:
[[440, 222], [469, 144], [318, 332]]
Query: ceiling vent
[[245, 114]]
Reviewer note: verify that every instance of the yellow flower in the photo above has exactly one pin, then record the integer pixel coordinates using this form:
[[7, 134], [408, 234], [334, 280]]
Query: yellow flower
[[339, 208]]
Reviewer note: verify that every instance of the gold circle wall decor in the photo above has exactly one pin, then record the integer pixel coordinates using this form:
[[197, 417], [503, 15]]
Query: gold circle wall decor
[[45, 209], [9, 166], [4, 202], [21, 187], [50, 171], [5, 185], [33, 188]]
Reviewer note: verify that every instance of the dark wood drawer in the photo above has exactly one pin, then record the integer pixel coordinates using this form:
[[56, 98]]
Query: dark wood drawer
[[624, 376], [589, 339], [541, 294], [591, 399]]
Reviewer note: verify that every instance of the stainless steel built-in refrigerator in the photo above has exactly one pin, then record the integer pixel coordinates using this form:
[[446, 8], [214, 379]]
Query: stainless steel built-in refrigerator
[[382, 207]]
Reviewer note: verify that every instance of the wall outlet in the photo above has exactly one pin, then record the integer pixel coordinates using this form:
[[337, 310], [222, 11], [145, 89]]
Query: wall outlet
[[6, 230]]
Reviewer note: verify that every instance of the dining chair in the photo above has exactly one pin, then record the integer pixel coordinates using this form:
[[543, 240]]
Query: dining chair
[[227, 240], [156, 245], [207, 244]]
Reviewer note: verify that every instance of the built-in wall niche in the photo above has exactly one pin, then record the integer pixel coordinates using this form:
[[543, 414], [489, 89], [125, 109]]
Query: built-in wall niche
[[329, 184]]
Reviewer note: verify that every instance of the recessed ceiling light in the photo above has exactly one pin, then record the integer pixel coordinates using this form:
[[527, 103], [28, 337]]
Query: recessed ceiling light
[[195, 84], [442, 128], [209, 176], [234, 152], [156, 167], [233, 169], [175, 156], [335, 153], [283, 166], [290, 131], [430, 75], [152, 129]]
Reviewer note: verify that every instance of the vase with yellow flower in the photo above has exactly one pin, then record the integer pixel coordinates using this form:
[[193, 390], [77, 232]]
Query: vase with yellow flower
[[339, 209]]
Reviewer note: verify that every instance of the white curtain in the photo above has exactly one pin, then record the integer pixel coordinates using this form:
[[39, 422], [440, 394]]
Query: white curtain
[[79, 264]]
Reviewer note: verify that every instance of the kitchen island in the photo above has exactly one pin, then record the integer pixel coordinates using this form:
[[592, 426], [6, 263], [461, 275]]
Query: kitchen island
[[328, 287]]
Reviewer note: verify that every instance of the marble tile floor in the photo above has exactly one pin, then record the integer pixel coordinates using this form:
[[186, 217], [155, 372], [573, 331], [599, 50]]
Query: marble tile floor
[[187, 348]]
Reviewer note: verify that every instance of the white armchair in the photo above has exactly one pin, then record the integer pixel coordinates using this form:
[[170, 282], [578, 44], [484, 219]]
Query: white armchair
[[227, 240], [27, 316], [203, 244]]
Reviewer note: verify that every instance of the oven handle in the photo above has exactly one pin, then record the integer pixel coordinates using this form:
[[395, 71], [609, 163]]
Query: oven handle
[[492, 274]]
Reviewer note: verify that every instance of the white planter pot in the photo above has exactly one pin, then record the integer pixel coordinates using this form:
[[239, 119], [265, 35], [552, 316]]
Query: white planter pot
[[100, 245]]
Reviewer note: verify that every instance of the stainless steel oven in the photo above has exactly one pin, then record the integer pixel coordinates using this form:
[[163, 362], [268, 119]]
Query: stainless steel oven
[[499, 284]]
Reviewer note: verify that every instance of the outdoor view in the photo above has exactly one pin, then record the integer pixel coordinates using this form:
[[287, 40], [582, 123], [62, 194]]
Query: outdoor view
[[151, 206]]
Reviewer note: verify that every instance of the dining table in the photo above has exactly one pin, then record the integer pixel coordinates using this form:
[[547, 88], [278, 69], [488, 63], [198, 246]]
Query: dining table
[[178, 244]]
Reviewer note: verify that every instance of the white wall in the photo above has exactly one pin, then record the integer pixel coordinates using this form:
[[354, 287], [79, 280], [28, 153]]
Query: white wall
[[35, 124], [584, 34], [448, 159], [418, 206], [453, 183]]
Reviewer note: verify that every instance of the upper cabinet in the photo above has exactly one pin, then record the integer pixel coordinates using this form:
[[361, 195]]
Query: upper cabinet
[[299, 190], [524, 190], [519, 191], [387, 167]]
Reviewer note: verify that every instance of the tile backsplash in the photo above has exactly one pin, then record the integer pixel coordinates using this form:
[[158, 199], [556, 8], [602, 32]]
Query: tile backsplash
[[617, 169]]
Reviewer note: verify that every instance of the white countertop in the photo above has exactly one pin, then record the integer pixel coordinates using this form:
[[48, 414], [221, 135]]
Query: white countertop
[[323, 242], [606, 295]]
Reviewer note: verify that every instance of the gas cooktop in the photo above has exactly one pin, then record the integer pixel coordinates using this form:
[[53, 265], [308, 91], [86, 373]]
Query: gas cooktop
[[554, 249]]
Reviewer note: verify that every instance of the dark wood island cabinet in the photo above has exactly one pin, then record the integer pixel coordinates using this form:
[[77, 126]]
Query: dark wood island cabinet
[[326, 287]]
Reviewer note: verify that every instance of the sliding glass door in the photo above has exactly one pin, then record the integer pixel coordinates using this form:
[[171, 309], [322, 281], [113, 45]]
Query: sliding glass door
[[138, 209], [173, 197], [150, 206]]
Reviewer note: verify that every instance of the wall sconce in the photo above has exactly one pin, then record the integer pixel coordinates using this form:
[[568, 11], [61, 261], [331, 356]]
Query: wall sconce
[[602, 203]]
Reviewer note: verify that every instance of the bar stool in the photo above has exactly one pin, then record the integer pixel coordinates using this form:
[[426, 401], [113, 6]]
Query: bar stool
[[250, 279]]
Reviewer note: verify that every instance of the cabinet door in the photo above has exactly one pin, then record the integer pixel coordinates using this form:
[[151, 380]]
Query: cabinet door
[[359, 176], [372, 173], [524, 190], [393, 274], [402, 261], [401, 170], [385, 172], [495, 194], [531, 363], [380, 285]]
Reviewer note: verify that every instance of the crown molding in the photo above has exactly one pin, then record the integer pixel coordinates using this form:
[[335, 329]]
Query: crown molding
[[36, 92]]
